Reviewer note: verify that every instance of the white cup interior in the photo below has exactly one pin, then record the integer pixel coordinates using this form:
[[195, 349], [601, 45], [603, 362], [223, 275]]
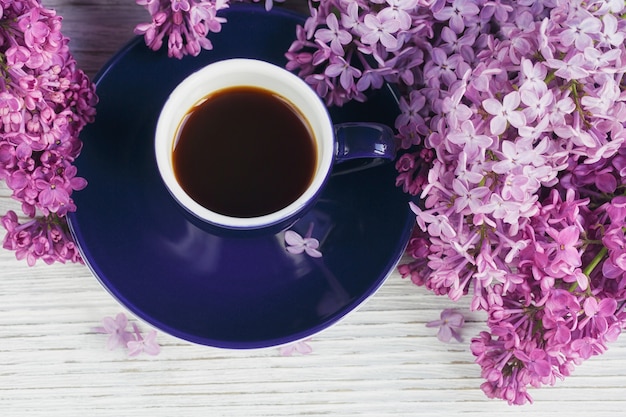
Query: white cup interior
[[252, 73]]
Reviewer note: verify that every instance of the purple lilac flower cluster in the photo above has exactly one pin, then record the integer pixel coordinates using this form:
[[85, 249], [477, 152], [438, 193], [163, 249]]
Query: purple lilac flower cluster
[[348, 47], [514, 125], [45, 101], [43, 237], [184, 24]]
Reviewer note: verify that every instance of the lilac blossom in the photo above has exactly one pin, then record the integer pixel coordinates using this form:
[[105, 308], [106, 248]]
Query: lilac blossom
[[504, 113], [457, 14], [341, 68], [580, 31], [183, 25], [143, 344], [302, 347], [268, 3], [473, 144], [374, 55], [116, 328], [46, 238], [298, 244], [45, 103], [132, 340], [513, 118], [570, 68], [450, 323], [336, 36], [375, 30]]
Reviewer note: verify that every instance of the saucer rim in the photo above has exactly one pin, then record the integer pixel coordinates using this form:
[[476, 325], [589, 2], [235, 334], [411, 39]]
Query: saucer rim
[[321, 324]]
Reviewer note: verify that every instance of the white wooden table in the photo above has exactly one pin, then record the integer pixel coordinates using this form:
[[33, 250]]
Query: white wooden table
[[379, 361]]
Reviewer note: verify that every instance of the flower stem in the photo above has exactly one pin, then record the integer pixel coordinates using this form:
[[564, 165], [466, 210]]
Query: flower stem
[[137, 332], [549, 76], [595, 261]]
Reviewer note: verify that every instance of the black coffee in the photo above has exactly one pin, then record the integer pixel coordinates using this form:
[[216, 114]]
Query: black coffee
[[244, 152]]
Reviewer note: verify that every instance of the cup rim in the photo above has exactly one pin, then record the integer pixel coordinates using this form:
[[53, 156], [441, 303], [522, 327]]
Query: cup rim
[[188, 93]]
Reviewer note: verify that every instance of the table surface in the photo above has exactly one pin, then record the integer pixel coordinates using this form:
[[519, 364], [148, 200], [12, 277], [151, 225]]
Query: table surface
[[379, 361]]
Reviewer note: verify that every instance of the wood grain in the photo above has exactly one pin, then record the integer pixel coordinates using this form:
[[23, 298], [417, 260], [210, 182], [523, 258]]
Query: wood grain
[[379, 361]]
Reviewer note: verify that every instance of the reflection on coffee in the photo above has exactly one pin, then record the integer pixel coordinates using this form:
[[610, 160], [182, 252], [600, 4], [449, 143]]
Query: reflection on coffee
[[244, 152]]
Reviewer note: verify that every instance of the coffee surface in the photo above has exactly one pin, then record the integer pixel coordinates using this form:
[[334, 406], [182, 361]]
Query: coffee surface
[[244, 152]]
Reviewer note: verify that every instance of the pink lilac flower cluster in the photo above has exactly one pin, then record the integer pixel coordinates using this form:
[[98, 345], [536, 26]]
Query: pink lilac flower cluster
[[42, 237], [514, 129], [184, 24], [45, 101], [134, 341]]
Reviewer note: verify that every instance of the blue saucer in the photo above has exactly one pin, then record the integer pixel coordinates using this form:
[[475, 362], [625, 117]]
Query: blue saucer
[[245, 292]]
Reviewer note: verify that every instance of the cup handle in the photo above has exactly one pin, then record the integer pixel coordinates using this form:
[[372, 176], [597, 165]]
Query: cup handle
[[364, 144]]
